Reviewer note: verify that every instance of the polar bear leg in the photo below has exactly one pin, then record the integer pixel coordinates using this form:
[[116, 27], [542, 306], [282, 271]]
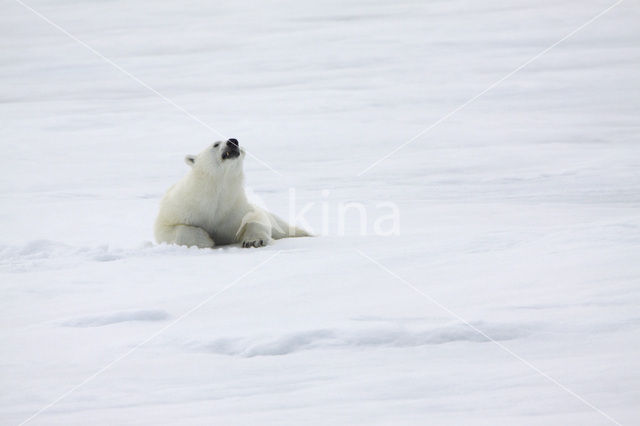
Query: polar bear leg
[[255, 230], [256, 234], [186, 235]]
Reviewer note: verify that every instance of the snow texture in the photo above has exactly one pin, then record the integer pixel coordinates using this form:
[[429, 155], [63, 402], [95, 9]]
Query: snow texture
[[518, 213]]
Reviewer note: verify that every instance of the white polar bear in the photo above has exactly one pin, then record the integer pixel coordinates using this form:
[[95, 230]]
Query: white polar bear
[[209, 207]]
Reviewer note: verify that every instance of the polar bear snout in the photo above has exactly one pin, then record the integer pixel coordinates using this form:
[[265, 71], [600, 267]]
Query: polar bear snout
[[231, 149]]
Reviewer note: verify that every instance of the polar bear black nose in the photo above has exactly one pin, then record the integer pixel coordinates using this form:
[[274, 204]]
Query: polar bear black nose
[[233, 142]]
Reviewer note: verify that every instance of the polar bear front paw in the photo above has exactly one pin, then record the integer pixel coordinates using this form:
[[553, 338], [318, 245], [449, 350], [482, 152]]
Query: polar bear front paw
[[255, 234], [254, 243]]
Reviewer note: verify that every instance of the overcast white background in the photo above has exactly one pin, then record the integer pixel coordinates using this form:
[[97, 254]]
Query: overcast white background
[[519, 213]]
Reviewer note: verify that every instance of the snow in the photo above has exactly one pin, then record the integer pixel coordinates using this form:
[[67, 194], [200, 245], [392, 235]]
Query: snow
[[518, 214]]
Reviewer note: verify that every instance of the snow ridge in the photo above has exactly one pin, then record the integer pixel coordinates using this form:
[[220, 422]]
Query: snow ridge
[[344, 338], [117, 317], [47, 254]]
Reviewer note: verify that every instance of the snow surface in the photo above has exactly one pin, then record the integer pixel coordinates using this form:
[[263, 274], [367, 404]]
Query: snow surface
[[519, 213]]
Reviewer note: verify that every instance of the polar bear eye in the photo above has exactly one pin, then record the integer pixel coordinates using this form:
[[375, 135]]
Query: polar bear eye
[[215, 145]]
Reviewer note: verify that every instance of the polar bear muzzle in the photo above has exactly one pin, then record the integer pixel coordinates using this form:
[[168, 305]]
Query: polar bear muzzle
[[231, 149]]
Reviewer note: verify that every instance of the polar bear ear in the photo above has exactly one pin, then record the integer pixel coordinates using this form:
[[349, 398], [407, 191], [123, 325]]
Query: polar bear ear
[[190, 160]]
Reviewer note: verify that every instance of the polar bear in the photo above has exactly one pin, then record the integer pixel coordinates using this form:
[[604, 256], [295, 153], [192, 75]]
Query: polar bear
[[209, 207]]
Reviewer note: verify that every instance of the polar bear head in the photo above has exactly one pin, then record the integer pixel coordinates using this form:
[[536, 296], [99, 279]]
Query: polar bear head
[[219, 159]]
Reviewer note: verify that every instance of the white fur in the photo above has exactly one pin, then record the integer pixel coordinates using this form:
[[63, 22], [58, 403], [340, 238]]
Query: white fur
[[208, 207]]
